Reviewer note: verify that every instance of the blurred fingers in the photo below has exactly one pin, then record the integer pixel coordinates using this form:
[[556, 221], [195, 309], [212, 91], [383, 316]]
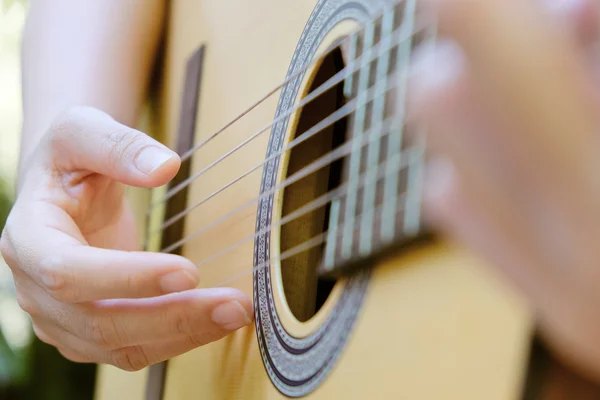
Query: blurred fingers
[[578, 17], [140, 333], [530, 76]]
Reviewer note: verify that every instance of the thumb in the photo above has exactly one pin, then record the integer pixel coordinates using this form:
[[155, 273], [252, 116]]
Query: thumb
[[87, 139]]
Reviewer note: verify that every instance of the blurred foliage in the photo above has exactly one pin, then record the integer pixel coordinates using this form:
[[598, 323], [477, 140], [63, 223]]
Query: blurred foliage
[[12, 362], [7, 4]]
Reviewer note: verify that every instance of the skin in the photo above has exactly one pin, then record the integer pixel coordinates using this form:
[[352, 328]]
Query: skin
[[70, 239], [513, 122]]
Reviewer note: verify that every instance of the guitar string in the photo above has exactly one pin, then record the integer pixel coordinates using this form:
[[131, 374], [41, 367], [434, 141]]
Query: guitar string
[[321, 162], [399, 36], [336, 79], [307, 245], [295, 75], [325, 236], [385, 168], [319, 202], [382, 171], [316, 129], [372, 93], [334, 117]]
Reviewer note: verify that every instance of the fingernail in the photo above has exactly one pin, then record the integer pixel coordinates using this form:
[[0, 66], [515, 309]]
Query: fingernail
[[178, 281], [152, 158], [231, 316]]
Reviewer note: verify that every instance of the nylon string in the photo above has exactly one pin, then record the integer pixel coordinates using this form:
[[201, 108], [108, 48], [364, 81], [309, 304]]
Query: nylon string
[[388, 170], [344, 111], [398, 36]]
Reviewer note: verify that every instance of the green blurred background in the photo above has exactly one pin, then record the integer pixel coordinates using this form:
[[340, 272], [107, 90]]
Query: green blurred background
[[29, 369]]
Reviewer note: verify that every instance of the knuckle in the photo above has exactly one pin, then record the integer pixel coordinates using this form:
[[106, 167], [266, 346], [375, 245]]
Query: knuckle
[[56, 280], [184, 323], [123, 144], [130, 359], [134, 284], [103, 332], [26, 304], [202, 338]]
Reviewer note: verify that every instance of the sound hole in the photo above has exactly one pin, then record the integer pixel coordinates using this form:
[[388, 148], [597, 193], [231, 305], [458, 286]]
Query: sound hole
[[304, 292]]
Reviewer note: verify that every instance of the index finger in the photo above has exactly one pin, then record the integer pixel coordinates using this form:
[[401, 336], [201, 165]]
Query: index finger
[[81, 273], [71, 271]]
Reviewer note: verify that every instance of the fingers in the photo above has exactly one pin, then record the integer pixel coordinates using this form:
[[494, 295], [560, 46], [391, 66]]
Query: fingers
[[55, 337], [72, 272], [530, 74], [135, 334], [83, 274], [59, 240], [87, 139], [532, 82], [122, 323], [578, 17], [133, 358], [459, 213], [493, 194], [468, 221], [520, 135], [581, 19], [137, 357]]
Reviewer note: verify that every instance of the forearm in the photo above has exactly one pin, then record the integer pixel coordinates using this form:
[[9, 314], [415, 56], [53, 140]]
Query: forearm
[[97, 53]]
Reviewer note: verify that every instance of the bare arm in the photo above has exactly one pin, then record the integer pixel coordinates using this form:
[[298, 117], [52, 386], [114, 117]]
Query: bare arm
[[97, 53]]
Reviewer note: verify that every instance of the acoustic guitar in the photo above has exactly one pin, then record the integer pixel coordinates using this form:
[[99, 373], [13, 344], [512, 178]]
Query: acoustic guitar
[[301, 187]]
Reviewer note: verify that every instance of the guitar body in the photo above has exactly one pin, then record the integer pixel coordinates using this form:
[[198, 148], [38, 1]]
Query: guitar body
[[424, 322]]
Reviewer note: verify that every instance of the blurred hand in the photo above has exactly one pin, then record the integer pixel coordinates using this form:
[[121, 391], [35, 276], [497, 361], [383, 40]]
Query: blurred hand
[[71, 243], [510, 100]]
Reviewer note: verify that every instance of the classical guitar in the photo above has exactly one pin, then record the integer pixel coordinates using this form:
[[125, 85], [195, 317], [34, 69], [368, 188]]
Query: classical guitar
[[299, 186]]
